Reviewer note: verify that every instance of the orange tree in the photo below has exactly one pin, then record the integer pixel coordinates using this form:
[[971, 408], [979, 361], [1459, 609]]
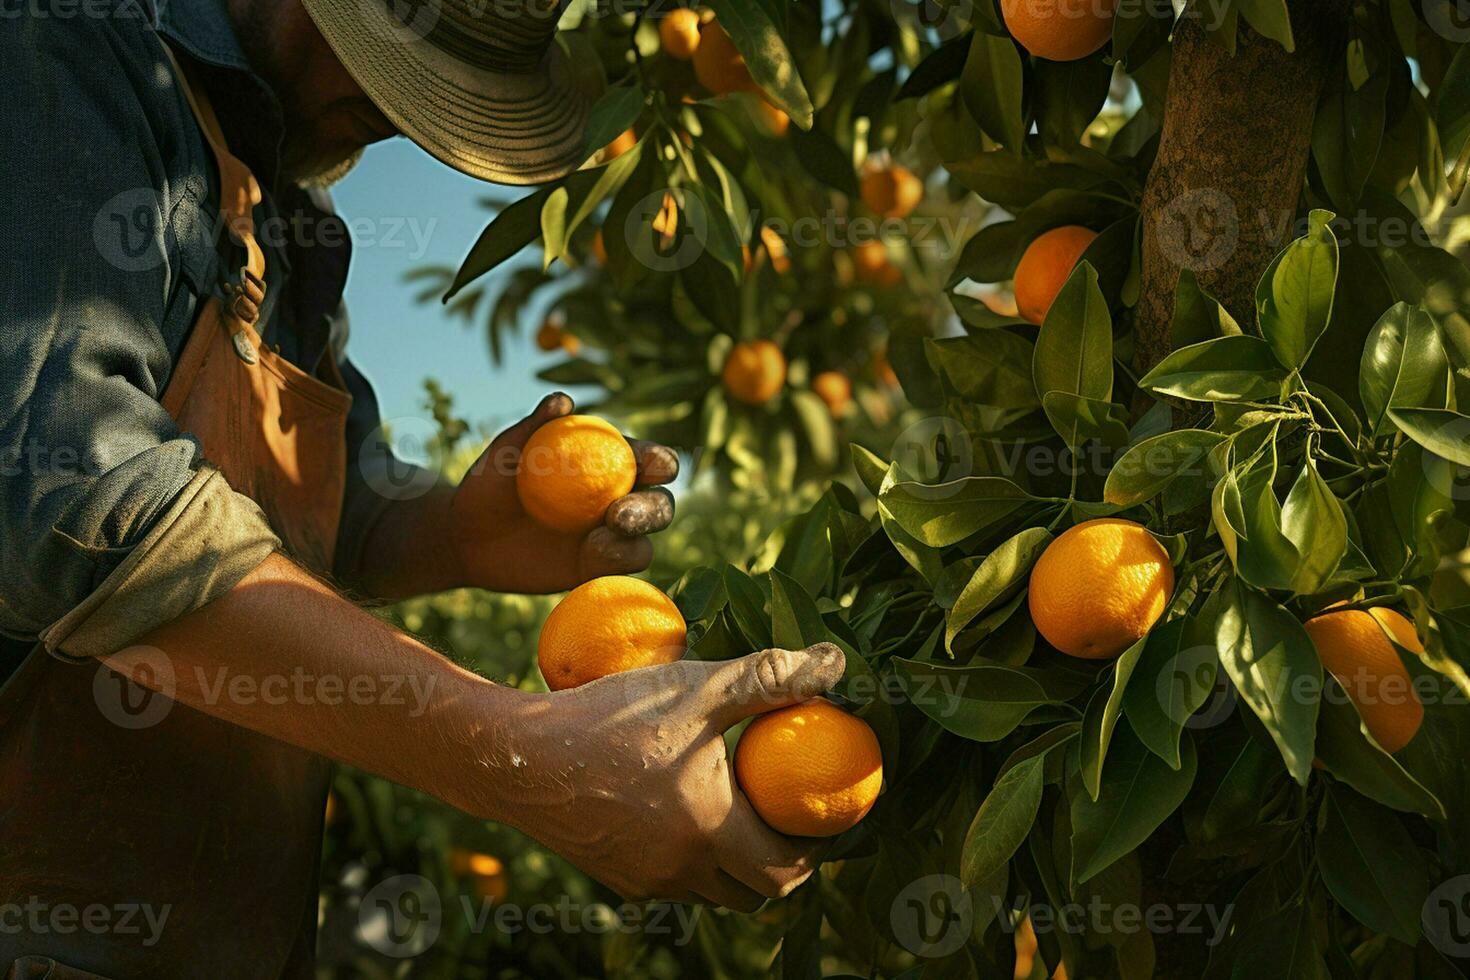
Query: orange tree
[[1220, 733]]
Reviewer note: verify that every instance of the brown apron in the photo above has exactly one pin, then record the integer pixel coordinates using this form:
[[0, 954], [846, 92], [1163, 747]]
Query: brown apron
[[213, 826]]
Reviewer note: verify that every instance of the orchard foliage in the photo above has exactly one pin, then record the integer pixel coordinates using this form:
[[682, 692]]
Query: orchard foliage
[[1308, 451]]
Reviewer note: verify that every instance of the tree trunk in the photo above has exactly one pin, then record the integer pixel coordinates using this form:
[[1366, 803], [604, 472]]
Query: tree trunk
[[1222, 196]]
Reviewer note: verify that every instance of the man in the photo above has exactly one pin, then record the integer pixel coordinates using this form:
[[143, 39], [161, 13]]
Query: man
[[188, 453]]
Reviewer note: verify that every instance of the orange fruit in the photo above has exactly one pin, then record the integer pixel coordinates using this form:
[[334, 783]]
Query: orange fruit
[[891, 190], [754, 372], [570, 342], [811, 769], [599, 249], [486, 873], [329, 816], [1026, 948], [872, 265], [775, 247], [1354, 646], [666, 222], [1100, 587], [883, 369], [625, 141], [1060, 30], [1045, 266], [678, 32], [571, 470], [606, 626], [775, 121], [834, 389], [550, 336], [718, 65]]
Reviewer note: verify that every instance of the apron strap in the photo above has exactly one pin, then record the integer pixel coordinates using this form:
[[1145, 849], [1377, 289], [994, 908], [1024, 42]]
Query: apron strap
[[239, 195]]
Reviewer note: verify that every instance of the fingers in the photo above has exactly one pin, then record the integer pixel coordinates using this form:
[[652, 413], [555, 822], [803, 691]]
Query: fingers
[[641, 512], [770, 679], [553, 406], [656, 464], [722, 889], [606, 552], [761, 859]]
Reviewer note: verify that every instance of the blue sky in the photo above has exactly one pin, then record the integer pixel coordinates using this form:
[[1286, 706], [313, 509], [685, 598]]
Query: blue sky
[[406, 210]]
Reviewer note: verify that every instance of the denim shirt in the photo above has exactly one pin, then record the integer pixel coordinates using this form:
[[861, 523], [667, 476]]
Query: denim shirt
[[109, 203]]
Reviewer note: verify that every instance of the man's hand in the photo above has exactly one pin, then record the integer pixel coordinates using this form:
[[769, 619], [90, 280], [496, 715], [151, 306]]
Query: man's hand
[[500, 547], [628, 778]]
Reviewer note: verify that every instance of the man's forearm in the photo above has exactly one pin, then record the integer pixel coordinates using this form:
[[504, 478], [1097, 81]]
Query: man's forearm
[[408, 551], [284, 655]]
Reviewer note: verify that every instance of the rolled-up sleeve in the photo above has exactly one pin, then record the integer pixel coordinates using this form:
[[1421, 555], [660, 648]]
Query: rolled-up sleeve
[[111, 521]]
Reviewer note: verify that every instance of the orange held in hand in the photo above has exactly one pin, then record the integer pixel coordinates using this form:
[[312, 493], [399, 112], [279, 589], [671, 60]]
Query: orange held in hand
[[1100, 587], [678, 32], [754, 372], [607, 626], [1355, 649], [810, 770], [718, 65], [1060, 30], [1045, 266], [891, 191], [571, 471]]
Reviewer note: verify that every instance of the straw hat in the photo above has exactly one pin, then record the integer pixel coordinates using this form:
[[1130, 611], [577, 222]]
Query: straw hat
[[480, 84]]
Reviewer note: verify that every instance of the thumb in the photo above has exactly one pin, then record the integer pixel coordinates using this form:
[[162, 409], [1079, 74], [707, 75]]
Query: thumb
[[771, 679], [503, 456]]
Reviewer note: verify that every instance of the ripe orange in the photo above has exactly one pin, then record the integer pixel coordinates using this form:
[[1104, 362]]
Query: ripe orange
[[606, 626], [549, 337], [1045, 266], [811, 769], [883, 369], [570, 342], [487, 873], [571, 469], [775, 120], [718, 65], [754, 372], [834, 389], [1100, 587], [891, 190], [1354, 648], [624, 142], [775, 247], [872, 265], [599, 249], [679, 33], [1060, 30]]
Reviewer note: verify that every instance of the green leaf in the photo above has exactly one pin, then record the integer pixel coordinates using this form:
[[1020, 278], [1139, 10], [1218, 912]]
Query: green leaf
[[1294, 297], [1003, 571], [1224, 369], [1270, 18], [984, 702], [1441, 431], [1452, 114], [940, 66], [1081, 420], [1349, 753], [989, 256], [517, 225], [1173, 679], [991, 87], [869, 466], [1313, 521], [1148, 467], [1069, 95], [1074, 347], [1101, 718], [1371, 865], [975, 314], [1198, 316], [994, 369], [1138, 793], [747, 607], [1272, 662], [795, 621], [825, 160], [766, 56], [946, 514], [1014, 182], [611, 116], [1346, 135], [1004, 820], [1404, 365]]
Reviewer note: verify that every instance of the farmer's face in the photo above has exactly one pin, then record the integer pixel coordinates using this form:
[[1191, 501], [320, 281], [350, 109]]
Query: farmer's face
[[329, 120]]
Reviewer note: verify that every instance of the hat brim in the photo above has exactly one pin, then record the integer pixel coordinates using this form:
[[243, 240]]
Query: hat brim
[[506, 128]]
